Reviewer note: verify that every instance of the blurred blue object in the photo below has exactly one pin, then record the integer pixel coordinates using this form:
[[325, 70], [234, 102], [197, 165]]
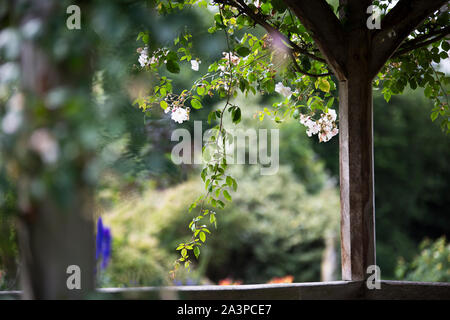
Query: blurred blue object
[[103, 244]]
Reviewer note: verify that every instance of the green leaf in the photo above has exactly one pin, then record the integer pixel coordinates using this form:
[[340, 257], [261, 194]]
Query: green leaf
[[428, 91], [227, 195], [196, 252], [211, 117], [229, 181], [204, 173], [172, 66], [172, 56], [434, 115], [145, 38], [202, 236], [323, 84], [243, 51], [330, 102], [266, 7], [163, 104], [220, 204], [201, 90], [196, 104], [306, 64], [183, 253], [219, 21], [236, 115], [270, 85]]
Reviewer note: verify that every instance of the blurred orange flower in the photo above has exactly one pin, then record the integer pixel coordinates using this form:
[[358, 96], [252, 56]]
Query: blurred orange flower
[[229, 282], [285, 279]]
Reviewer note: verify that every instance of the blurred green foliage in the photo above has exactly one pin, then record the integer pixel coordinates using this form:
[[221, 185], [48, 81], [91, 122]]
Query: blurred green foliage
[[272, 228], [432, 264]]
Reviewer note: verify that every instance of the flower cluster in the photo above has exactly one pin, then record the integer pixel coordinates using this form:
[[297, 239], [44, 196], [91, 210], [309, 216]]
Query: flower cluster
[[144, 59], [103, 244], [229, 56], [325, 127], [175, 105], [178, 114]]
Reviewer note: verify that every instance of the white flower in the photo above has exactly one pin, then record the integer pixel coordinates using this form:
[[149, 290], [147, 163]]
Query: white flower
[[332, 113], [179, 115], [143, 57], [153, 60], [43, 142], [195, 64], [313, 128], [13, 118], [326, 135], [281, 89], [11, 122]]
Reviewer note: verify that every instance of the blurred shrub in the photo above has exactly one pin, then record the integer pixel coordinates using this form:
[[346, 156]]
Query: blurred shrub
[[273, 228], [432, 264], [137, 258]]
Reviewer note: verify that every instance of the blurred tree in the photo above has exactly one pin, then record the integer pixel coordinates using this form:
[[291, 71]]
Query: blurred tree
[[431, 264], [48, 100], [78, 87], [412, 178]]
